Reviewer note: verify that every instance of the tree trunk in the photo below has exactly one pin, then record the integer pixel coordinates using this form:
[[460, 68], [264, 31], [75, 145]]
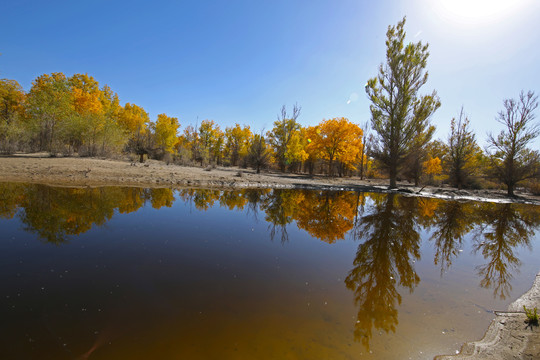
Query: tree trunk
[[393, 176], [510, 189]]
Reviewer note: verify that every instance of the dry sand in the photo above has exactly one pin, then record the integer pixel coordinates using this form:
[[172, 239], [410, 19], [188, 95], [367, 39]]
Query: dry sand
[[508, 337]]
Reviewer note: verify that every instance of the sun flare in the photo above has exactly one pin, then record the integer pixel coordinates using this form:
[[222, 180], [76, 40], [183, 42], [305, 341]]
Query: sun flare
[[478, 11]]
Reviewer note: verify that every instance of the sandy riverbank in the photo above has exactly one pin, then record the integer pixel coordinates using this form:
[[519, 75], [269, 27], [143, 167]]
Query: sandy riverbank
[[74, 171], [508, 336]]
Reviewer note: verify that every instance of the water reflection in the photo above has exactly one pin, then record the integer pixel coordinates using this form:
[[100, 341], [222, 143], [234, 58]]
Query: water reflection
[[500, 230], [451, 222], [383, 261], [55, 213], [387, 228]]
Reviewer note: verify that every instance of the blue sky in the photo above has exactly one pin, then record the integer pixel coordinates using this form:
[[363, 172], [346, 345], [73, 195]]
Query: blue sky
[[239, 61]]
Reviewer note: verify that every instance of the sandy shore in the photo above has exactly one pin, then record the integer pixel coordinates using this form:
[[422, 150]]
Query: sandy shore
[[97, 172], [508, 336]]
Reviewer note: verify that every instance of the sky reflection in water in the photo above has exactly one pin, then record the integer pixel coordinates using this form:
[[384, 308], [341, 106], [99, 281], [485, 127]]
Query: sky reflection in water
[[106, 273]]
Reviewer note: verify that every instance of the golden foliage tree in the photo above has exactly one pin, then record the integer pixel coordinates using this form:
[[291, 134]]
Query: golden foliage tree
[[166, 133], [336, 140], [12, 99], [237, 140], [136, 122], [281, 135], [88, 123], [210, 142]]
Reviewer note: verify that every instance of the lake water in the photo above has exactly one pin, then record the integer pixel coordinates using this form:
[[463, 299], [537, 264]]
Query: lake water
[[132, 273]]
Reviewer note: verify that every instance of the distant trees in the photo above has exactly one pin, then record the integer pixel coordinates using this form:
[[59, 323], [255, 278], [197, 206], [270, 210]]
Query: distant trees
[[259, 152], [237, 143], [166, 133], [136, 123], [12, 99], [511, 160], [76, 116], [399, 116], [48, 105], [462, 151], [281, 136]]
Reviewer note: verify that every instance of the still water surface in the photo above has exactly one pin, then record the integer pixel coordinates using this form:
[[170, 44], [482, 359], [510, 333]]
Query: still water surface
[[132, 273]]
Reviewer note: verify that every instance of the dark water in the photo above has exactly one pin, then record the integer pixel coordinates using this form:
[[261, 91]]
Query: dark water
[[131, 273]]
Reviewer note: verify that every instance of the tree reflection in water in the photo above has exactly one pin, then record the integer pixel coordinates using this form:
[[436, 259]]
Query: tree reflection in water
[[387, 225], [502, 228], [451, 222], [383, 261]]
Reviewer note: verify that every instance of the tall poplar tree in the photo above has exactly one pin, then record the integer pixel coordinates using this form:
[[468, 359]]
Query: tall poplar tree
[[399, 115]]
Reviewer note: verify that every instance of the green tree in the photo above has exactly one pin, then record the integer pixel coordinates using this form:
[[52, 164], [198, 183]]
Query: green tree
[[418, 154], [259, 152], [49, 106], [511, 160], [398, 114], [112, 137], [462, 151]]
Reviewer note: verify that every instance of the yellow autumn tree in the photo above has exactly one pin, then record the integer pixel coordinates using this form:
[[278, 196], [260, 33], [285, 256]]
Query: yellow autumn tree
[[336, 139], [88, 124], [296, 153], [237, 140], [12, 98], [135, 121], [210, 142], [432, 167], [166, 133]]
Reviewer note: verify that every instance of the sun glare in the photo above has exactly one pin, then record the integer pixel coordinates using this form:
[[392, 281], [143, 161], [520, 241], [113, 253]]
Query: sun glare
[[478, 11]]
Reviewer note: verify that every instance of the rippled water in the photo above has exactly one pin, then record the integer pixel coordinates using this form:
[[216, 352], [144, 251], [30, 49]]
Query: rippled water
[[132, 273]]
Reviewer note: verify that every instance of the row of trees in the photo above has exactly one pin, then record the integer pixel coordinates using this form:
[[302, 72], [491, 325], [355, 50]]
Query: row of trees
[[66, 115], [400, 118], [75, 115]]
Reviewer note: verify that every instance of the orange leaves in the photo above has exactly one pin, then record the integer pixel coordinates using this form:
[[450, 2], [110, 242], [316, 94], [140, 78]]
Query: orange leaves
[[432, 166], [335, 139], [86, 103]]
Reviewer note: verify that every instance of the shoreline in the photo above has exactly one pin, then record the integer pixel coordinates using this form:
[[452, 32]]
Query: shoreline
[[84, 172], [508, 336]]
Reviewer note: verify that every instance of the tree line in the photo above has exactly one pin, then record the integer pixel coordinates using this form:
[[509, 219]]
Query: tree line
[[75, 115]]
